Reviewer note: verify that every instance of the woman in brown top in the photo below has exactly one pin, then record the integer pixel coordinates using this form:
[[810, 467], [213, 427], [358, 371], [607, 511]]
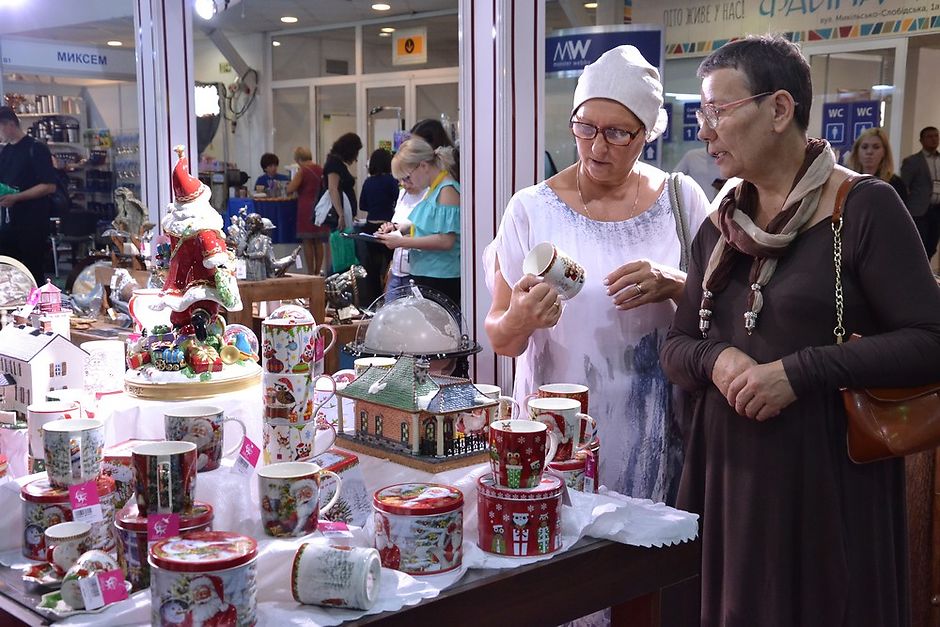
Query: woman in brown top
[[793, 532]]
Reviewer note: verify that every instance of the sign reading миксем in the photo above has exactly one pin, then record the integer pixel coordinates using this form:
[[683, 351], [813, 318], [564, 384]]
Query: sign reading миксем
[[44, 56], [843, 122]]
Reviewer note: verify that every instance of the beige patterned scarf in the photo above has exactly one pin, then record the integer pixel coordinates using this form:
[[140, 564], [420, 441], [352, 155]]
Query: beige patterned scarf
[[740, 236]]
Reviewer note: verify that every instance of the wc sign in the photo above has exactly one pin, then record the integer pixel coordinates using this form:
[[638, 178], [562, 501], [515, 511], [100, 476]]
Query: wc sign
[[843, 122], [571, 49]]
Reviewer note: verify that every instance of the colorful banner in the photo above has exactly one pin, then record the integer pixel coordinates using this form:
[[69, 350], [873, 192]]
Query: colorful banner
[[696, 27]]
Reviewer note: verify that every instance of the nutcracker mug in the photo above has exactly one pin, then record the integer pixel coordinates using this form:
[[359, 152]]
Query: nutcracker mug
[[202, 425], [563, 390], [557, 269], [518, 452], [42, 413], [74, 450], [290, 497], [564, 418], [166, 477], [65, 542]]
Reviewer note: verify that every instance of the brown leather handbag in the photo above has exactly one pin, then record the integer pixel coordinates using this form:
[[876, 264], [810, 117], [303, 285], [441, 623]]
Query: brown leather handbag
[[882, 422]]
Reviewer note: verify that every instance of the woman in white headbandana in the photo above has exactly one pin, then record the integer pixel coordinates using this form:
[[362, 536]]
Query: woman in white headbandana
[[615, 216]]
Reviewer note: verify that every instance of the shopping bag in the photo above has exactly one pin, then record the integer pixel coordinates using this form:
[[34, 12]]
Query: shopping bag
[[343, 250]]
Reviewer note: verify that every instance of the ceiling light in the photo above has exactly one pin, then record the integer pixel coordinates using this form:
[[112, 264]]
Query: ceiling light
[[205, 9], [381, 6], [275, 43], [115, 43], [288, 19], [388, 29], [882, 87], [385, 34], [590, 5]]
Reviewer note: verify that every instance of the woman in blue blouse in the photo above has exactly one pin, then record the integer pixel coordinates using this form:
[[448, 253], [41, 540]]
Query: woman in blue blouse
[[434, 233]]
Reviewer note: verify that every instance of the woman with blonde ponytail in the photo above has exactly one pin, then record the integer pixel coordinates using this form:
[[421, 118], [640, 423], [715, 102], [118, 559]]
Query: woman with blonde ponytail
[[434, 232]]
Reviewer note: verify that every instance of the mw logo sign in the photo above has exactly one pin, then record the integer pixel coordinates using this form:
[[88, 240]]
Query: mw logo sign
[[569, 50]]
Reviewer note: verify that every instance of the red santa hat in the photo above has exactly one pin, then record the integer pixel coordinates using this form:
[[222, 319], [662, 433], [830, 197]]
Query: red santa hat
[[287, 383], [212, 582], [186, 187]]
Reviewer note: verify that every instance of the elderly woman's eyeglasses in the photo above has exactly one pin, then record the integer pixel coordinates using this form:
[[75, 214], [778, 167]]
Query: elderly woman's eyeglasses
[[709, 113], [614, 136], [407, 178]]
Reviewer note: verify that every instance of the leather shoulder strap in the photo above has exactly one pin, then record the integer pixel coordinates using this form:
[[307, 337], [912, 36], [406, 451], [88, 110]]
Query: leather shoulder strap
[[847, 185]]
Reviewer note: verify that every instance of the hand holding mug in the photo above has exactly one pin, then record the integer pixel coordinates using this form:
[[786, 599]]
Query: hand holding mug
[[534, 304]]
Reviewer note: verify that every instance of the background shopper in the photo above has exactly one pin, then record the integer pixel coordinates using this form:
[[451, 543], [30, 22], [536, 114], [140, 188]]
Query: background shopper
[[377, 201], [307, 183], [871, 154]]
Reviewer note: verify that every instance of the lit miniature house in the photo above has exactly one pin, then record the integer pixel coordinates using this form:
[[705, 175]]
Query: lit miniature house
[[408, 411], [44, 311], [33, 362]]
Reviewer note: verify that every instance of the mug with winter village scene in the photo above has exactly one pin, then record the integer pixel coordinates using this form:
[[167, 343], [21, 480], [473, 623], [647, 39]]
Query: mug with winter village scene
[[290, 497]]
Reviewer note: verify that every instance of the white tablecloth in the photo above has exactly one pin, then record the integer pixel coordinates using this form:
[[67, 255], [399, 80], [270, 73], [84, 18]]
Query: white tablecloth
[[235, 501]]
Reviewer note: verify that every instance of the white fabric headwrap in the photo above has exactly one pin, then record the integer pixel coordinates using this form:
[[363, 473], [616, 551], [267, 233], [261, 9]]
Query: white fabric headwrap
[[624, 76]]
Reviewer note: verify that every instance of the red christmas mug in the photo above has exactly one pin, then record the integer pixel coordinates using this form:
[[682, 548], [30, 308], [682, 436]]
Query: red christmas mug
[[563, 417], [166, 477], [575, 391], [518, 452]]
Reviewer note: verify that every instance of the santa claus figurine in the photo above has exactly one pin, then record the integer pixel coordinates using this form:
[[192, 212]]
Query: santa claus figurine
[[208, 607], [201, 276]]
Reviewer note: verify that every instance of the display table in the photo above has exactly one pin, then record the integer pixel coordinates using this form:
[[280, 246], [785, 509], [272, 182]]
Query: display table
[[281, 211], [286, 287]]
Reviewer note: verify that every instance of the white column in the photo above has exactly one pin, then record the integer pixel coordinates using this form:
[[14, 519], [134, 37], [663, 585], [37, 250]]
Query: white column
[[502, 68], [165, 95]]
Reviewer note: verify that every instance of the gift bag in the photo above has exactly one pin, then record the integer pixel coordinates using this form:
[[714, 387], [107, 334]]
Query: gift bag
[[343, 250]]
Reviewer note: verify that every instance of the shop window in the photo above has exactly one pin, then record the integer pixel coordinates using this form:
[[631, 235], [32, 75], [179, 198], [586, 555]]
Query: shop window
[[363, 422], [378, 425], [64, 368], [405, 433]]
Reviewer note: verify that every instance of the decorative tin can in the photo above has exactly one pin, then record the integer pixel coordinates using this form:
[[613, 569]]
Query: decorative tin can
[[335, 576], [44, 506], [419, 527], [204, 578], [131, 532], [519, 523], [579, 473]]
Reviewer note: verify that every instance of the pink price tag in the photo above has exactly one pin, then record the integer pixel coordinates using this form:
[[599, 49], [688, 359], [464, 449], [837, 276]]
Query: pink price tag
[[86, 506], [250, 452], [330, 528], [162, 526], [112, 586]]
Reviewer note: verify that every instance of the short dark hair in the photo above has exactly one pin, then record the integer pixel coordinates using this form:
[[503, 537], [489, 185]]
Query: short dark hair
[[7, 114], [347, 147], [433, 132], [770, 63], [926, 130], [380, 162], [269, 158]]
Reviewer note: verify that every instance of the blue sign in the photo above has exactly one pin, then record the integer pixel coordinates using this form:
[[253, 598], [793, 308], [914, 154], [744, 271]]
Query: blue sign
[[650, 151], [667, 134], [572, 51], [690, 133], [688, 113], [843, 122]]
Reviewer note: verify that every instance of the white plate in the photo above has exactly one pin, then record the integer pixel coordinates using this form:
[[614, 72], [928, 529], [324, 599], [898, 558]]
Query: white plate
[[43, 575]]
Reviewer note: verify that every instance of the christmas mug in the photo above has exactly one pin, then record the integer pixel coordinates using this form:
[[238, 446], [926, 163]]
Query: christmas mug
[[74, 450], [296, 442], [38, 414], [65, 542], [506, 403], [203, 426], [291, 342], [564, 418], [166, 477], [290, 497], [575, 391], [556, 268], [518, 453]]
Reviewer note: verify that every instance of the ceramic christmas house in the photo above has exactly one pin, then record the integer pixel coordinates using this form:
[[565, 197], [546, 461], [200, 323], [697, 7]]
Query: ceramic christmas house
[[32, 363], [424, 420]]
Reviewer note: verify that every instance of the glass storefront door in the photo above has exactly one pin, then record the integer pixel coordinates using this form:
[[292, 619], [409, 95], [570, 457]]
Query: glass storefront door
[[385, 110]]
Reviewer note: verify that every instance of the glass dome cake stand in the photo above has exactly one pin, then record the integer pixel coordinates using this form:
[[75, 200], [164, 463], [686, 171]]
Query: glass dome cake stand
[[417, 321]]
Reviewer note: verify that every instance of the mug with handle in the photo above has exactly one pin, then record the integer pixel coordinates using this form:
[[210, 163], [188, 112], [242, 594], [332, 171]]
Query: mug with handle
[[574, 428], [203, 426]]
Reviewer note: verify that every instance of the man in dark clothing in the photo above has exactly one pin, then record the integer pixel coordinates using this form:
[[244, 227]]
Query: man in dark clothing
[[26, 165]]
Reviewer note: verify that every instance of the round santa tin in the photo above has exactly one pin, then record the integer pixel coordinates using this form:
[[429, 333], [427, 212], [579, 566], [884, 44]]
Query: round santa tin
[[579, 473], [204, 578], [519, 523], [44, 506], [131, 531], [419, 527], [335, 576]]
